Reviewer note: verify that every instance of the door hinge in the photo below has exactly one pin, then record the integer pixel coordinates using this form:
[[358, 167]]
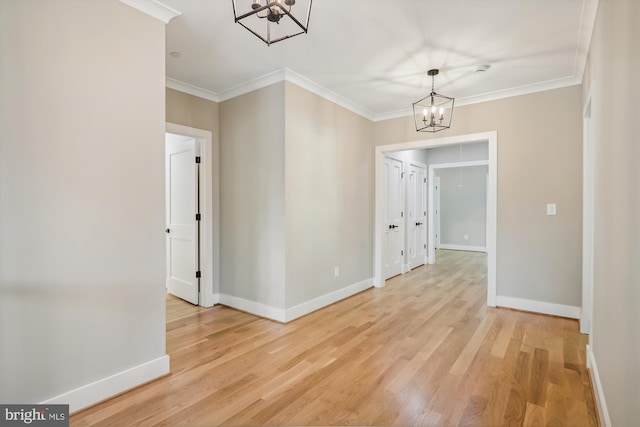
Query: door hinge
[[198, 217], [197, 159], [401, 214], [401, 175], [401, 252], [425, 180], [425, 246], [198, 274]]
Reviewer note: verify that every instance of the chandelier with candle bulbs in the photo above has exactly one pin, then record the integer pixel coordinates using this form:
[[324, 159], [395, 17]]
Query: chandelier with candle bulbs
[[273, 20], [433, 113]]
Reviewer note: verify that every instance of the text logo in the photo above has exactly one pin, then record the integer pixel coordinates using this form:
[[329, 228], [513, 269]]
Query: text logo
[[34, 415]]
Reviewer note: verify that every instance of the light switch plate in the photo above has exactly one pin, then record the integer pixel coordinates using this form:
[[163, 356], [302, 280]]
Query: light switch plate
[[551, 209]]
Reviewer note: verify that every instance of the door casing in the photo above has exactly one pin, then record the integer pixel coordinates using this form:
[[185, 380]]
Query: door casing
[[209, 209], [492, 141]]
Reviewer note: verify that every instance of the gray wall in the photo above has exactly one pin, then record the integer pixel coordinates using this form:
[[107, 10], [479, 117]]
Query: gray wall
[[463, 209], [329, 196], [453, 154], [252, 196], [81, 194], [539, 256], [613, 78]]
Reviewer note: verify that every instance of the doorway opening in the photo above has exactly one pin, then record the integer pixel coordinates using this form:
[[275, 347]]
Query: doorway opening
[[472, 235], [381, 152], [199, 252]]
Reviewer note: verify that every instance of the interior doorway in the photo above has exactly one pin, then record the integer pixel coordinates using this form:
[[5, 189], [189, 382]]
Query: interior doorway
[[208, 194], [435, 211], [491, 138]]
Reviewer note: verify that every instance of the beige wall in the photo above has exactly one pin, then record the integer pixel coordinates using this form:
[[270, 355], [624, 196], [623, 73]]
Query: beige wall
[[81, 194], [539, 162], [192, 111], [614, 79], [329, 196], [252, 196]]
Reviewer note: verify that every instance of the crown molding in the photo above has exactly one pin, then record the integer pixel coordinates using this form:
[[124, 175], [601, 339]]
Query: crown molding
[[519, 90], [191, 90], [154, 8], [587, 24], [492, 96], [321, 91], [254, 84], [297, 79]]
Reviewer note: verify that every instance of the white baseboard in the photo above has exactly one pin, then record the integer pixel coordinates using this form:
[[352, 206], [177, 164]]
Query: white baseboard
[[284, 316], [253, 307], [406, 268], [569, 311], [463, 248], [105, 388], [326, 299], [605, 420]]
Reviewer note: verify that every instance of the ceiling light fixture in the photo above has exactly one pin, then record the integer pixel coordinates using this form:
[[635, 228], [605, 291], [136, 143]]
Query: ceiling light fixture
[[433, 113], [272, 20]]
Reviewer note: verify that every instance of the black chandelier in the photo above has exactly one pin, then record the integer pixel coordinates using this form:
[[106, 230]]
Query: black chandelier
[[433, 113], [273, 20]]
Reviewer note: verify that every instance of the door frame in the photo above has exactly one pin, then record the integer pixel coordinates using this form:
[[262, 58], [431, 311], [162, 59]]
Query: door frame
[[492, 141], [588, 213], [209, 210], [431, 239]]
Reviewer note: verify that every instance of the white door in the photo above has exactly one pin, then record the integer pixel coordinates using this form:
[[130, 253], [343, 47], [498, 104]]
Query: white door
[[417, 215], [181, 189], [393, 241]]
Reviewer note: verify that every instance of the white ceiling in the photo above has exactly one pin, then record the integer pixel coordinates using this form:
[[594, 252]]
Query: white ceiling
[[372, 55]]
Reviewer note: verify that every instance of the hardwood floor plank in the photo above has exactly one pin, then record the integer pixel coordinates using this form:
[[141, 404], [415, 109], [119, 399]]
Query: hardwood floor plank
[[425, 350]]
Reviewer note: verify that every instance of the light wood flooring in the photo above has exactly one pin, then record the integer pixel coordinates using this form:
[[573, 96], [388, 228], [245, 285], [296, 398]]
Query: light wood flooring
[[425, 350]]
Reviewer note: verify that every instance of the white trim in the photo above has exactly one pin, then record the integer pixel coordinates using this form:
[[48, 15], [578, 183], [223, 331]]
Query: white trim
[[405, 267], [587, 24], [492, 200], [190, 89], [327, 94], [254, 307], [253, 84], [588, 213], [603, 411], [285, 74], [105, 388], [326, 299], [463, 248], [210, 210], [543, 307], [493, 96], [154, 8]]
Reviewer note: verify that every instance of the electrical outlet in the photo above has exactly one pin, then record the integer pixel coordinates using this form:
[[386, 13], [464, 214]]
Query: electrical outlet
[[336, 271], [551, 209], [466, 237]]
